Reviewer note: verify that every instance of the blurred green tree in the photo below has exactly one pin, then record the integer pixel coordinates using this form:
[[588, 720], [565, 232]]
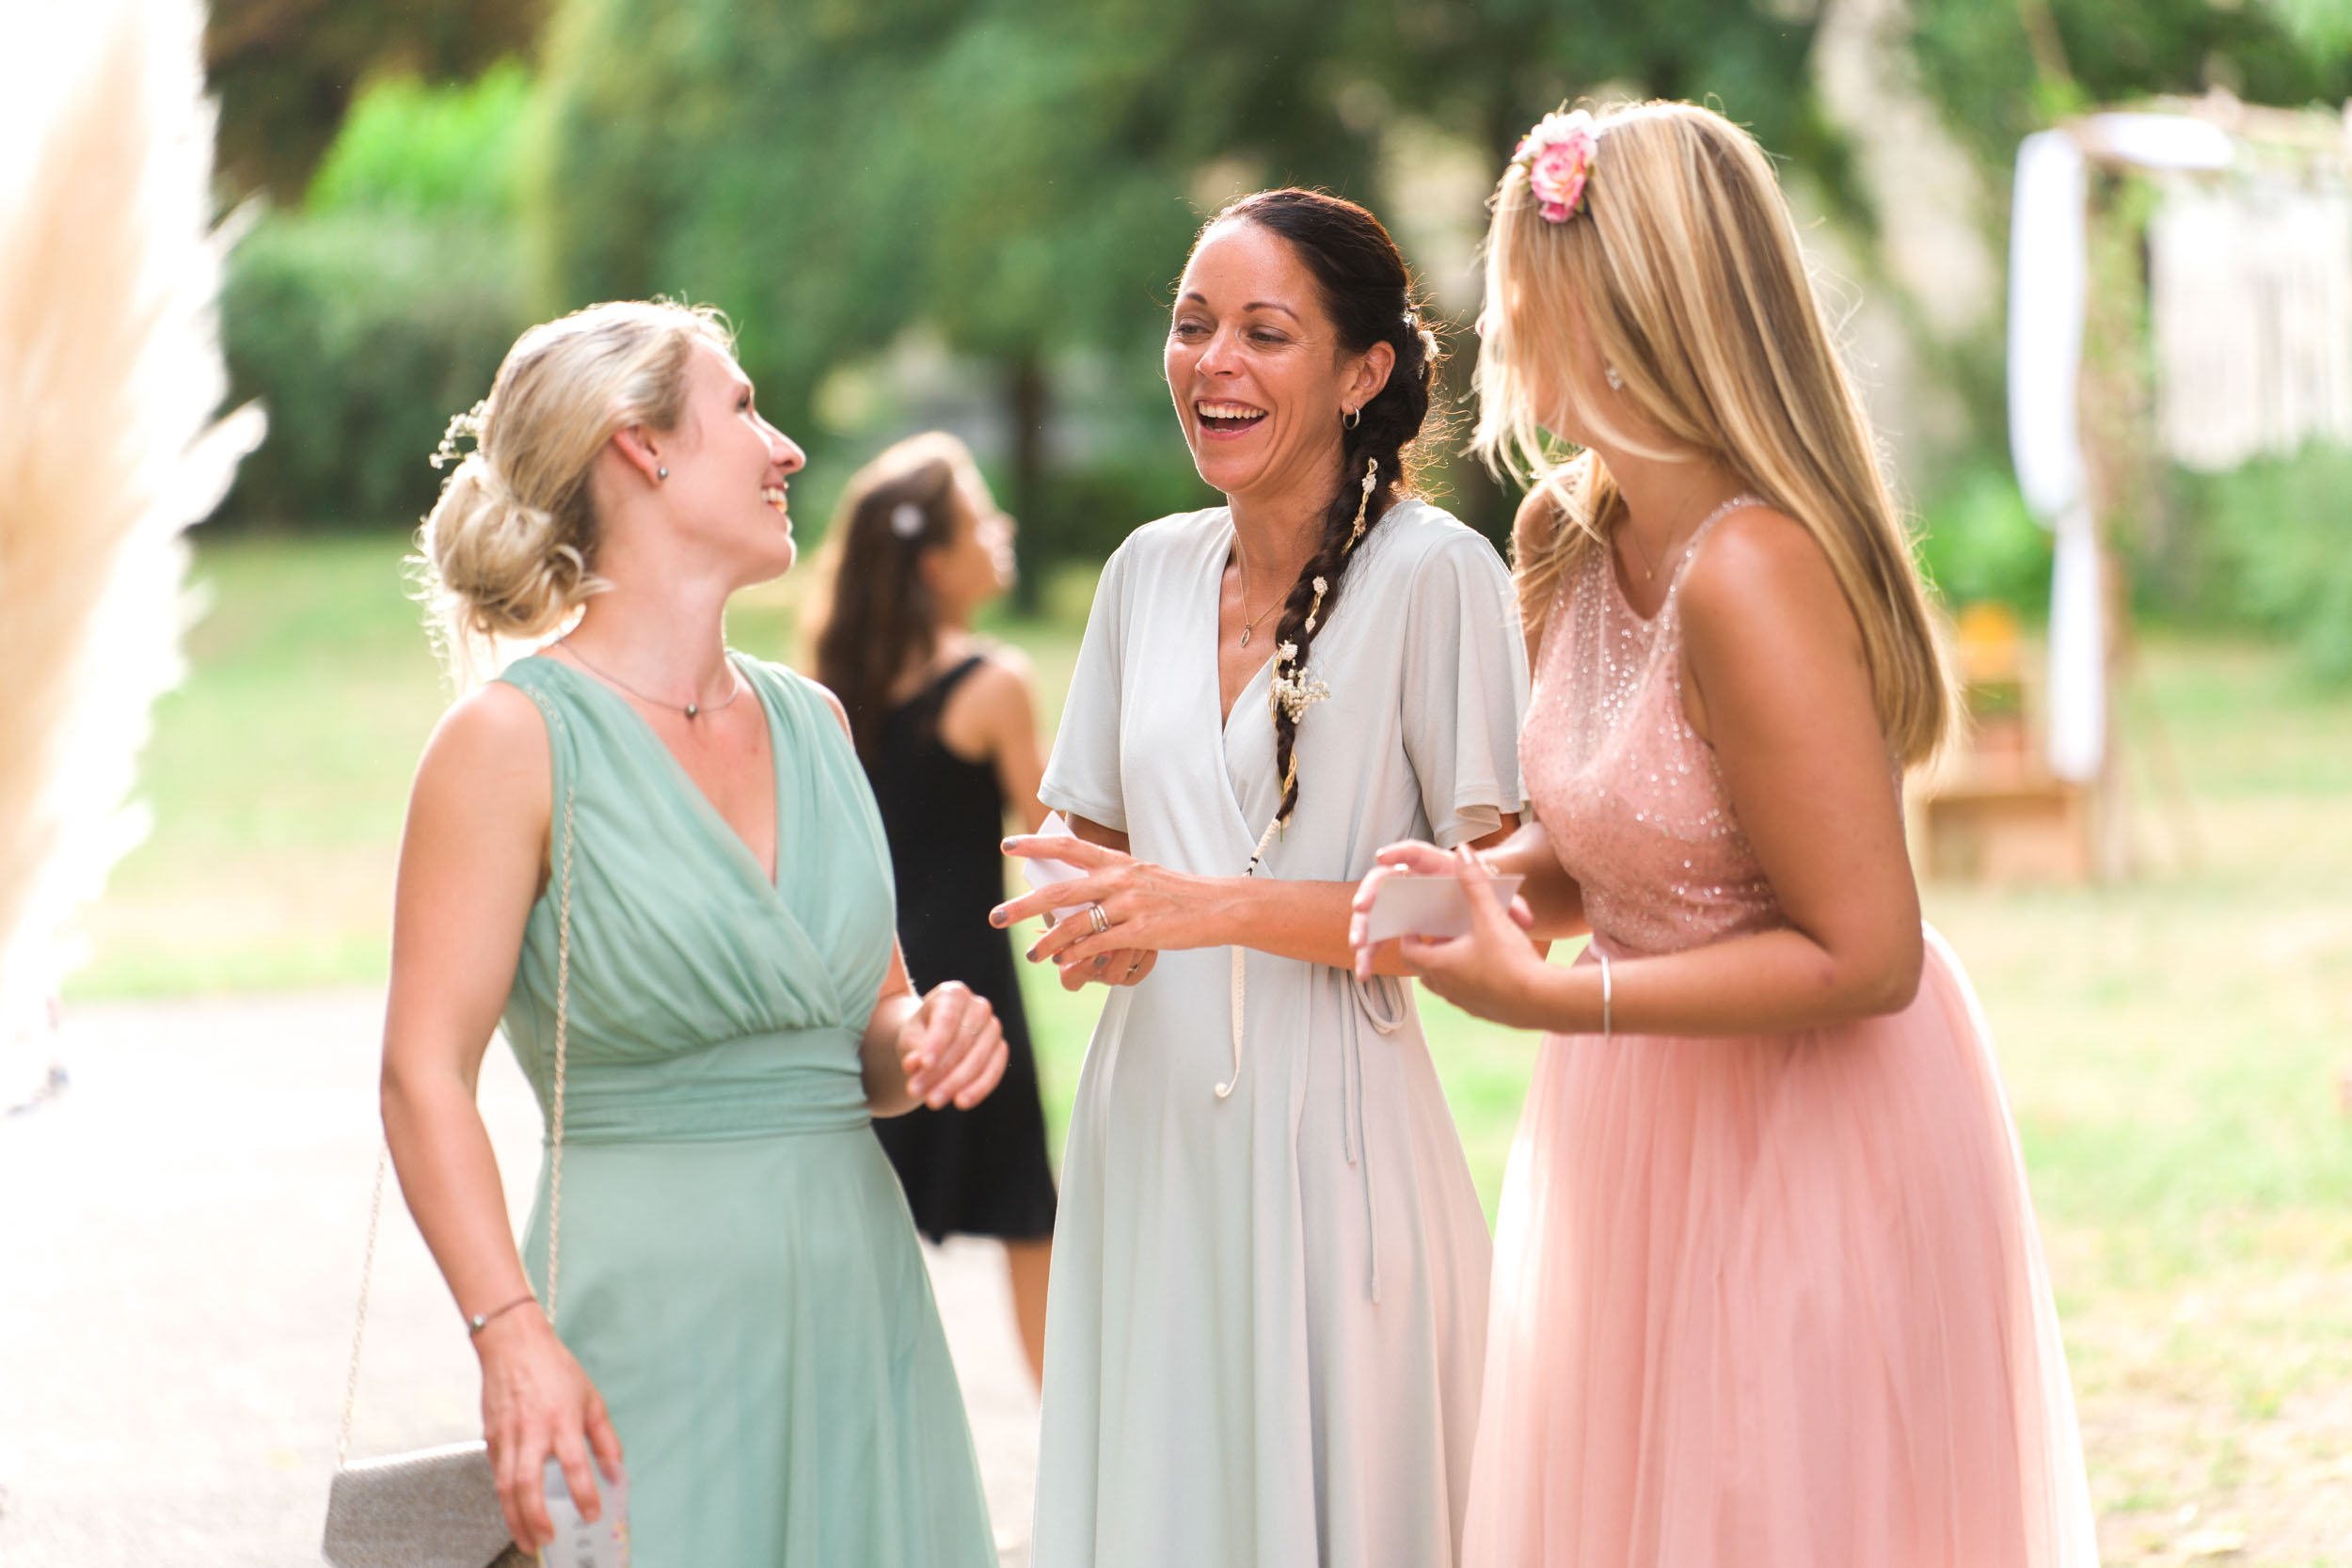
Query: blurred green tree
[[1015, 173], [287, 70], [1489, 69], [1026, 174]]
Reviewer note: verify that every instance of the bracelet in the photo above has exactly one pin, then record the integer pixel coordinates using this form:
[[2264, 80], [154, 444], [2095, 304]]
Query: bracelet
[[1605, 997], [474, 1325]]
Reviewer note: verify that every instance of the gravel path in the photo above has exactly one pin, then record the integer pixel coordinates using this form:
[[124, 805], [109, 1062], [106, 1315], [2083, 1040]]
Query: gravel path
[[180, 1240]]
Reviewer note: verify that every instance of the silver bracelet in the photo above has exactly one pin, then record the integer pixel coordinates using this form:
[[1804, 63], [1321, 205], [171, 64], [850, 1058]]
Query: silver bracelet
[[1605, 993]]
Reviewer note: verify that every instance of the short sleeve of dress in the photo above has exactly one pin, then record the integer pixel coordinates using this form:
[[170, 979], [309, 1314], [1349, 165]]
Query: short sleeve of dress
[[1081, 776], [1465, 689]]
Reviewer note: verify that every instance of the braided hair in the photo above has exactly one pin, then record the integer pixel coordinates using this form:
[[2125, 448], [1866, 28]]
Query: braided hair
[[1369, 295]]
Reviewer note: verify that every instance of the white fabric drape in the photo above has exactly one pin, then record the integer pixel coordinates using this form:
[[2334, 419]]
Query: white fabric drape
[[2251, 290], [2047, 283]]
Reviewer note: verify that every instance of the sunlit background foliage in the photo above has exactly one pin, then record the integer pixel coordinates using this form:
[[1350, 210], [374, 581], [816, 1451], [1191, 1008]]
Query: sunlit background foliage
[[969, 213]]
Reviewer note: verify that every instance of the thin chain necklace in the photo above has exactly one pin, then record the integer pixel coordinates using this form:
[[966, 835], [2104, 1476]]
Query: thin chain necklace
[[691, 710], [1649, 567], [1252, 624]]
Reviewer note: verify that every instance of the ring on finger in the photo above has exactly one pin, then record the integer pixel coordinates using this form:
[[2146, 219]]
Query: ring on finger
[[1098, 918], [1133, 964]]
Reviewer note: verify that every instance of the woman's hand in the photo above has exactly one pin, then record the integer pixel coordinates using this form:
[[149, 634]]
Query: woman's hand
[[1411, 858], [1494, 971], [536, 1401], [952, 1047], [1121, 966], [1150, 910]]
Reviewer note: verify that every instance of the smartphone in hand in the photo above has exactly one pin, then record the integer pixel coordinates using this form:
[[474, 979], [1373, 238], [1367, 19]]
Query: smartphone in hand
[[1416, 906], [577, 1542], [1044, 871]]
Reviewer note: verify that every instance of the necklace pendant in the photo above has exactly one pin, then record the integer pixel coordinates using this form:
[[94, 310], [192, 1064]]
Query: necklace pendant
[[1245, 637], [691, 710]]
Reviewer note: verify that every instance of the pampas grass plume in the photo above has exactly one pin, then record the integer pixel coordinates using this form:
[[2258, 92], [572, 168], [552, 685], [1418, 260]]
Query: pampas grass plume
[[110, 376]]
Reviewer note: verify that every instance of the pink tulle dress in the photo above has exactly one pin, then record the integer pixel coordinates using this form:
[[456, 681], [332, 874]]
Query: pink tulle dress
[[1769, 1302]]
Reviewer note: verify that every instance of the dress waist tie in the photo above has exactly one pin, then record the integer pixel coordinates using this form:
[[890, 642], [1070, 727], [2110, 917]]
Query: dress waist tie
[[1382, 999]]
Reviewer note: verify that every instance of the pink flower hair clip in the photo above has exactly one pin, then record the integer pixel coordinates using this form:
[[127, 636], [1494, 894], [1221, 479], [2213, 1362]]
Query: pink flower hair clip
[[1558, 157]]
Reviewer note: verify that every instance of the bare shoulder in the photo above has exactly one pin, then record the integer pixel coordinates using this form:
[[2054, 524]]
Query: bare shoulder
[[494, 730], [990, 706], [1538, 520], [1001, 665], [1761, 569], [487, 773], [1001, 684]]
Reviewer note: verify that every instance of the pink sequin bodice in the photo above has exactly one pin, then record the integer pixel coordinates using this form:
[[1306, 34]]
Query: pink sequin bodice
[[1630, 796]]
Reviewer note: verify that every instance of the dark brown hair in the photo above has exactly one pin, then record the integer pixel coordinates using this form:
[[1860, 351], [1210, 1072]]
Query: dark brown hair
[[878, 621], [1368, 294]]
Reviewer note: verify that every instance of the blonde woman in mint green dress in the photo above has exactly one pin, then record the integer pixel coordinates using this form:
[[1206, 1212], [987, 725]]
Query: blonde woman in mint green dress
[[742, 1317]]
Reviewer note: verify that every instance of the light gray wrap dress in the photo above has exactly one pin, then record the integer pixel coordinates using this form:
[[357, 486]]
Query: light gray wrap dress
[[1264, 1335]]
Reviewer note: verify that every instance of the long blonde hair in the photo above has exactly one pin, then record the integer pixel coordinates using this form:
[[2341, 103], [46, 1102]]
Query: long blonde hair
[[1685, 268], [509, 548]]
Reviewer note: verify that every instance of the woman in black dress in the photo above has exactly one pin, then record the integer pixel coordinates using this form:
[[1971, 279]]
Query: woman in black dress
[[947, 730]]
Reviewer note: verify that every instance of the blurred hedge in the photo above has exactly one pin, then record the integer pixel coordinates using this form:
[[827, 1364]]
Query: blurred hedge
[[363, 334], [383, 305], [2276, 537]]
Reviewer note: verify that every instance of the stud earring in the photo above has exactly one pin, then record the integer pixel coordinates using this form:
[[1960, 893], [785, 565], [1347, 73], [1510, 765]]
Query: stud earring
[[1616, 382], [664, 473]]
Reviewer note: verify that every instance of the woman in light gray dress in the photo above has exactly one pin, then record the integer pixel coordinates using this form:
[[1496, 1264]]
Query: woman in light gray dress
[[1264, 1331]]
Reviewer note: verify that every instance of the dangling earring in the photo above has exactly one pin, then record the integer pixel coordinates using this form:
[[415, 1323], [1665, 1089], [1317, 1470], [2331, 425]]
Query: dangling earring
[[1616, 382], [1353, 417], [1372, 482]]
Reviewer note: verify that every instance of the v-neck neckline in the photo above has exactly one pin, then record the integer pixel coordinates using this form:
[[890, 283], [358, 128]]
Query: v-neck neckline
[[713, 819]]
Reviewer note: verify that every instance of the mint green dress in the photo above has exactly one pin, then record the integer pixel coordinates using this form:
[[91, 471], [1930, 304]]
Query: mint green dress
[[738, 1271]]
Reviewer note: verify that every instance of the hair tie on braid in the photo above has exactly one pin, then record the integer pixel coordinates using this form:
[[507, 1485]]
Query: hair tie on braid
[[1372, 483]]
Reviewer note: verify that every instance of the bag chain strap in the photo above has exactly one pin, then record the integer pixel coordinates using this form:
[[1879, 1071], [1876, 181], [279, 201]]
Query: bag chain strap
[[555, 1159]]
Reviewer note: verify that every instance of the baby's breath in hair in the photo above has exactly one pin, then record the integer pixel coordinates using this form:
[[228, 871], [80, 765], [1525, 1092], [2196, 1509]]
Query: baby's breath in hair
[[462, 427]]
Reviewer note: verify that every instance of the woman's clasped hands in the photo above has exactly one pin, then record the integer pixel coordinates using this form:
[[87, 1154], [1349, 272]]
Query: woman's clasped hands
[[952, 1047], [1144, 909], [1494, 971]]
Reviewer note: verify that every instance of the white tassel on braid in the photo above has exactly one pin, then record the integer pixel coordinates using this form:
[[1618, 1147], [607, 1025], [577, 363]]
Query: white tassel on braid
[[110, 372], [1292, 692]]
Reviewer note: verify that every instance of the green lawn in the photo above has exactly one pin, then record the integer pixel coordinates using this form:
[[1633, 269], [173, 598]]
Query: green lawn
[[2172, 1047]]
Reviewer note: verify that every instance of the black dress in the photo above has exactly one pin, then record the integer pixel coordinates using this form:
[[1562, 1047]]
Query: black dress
[[981, 1172]]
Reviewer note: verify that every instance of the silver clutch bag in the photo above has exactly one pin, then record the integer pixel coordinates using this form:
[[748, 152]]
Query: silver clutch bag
[[432, 1508], [439, 1508]]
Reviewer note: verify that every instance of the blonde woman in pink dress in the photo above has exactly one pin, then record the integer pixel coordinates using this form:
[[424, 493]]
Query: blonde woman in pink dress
[[1767, 1290]]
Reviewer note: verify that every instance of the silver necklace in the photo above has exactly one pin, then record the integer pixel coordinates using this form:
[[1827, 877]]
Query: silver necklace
[[691, 710]]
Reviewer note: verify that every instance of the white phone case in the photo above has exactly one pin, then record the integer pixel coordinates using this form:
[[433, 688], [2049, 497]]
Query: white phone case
[[1044, 872], [577, 1542], [1417, 906]]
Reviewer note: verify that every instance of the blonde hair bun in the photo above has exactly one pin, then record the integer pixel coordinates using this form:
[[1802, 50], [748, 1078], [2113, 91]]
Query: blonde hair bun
[[509, 549]]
